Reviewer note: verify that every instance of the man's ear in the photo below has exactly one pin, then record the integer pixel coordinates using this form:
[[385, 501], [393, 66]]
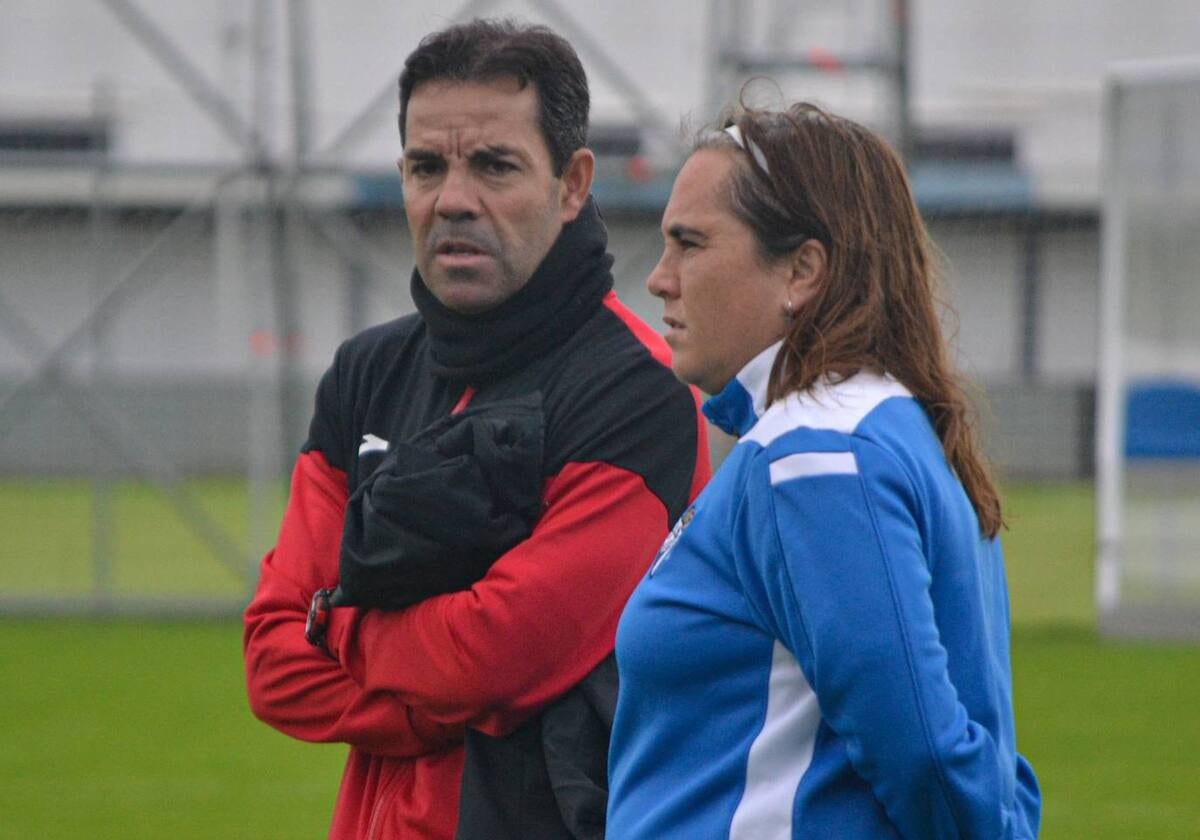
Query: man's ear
[[810, 263], [575, 184]]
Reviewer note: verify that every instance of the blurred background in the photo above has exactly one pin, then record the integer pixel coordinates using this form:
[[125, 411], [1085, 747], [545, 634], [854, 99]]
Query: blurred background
[[199, 201]]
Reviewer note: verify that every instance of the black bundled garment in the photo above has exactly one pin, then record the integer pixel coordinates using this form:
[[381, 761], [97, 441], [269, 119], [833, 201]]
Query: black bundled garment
[[444, 506], [547, 780]]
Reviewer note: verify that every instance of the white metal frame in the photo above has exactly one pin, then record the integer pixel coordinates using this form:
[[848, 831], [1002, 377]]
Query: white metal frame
[[1110, 387]]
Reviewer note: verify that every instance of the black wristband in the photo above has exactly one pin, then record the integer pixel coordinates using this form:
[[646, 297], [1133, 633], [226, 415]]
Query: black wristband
[[318, 619]]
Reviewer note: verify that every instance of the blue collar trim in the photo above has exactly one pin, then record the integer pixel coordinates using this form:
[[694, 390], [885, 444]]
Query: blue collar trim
[[737, 407]]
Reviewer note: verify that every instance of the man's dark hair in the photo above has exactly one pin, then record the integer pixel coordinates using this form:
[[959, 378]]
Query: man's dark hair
[[484, 50]]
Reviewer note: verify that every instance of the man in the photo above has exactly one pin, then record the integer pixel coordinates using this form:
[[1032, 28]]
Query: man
[[514, 300]]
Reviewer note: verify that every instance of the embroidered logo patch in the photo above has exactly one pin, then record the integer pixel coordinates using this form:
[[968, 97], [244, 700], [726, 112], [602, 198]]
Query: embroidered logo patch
[[372, 443], [672, 538]]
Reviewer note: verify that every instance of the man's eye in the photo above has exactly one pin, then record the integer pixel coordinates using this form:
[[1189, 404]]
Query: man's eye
[[498, 167], [687, 244], [424, 168]]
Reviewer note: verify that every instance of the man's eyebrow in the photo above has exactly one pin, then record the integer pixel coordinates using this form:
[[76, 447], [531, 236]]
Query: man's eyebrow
[[498, 150], [421, 154], [678, 231]]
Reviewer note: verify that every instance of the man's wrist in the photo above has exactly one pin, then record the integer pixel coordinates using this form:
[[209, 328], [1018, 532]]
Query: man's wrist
[[316, 627]]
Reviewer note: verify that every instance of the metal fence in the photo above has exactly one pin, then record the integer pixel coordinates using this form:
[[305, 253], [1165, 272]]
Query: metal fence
[[162, 324]]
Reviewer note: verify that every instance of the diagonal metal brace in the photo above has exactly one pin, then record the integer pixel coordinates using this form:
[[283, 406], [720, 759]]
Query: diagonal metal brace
[[113, 298], [147, 463], [353, 129], [647, 114], [156, 467], [203, 92]]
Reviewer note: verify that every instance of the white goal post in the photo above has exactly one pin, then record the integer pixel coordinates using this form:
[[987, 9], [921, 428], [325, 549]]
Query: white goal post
[[1148, 374]]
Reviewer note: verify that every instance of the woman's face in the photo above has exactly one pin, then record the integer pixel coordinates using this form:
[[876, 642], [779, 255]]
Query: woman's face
[[721, 304]]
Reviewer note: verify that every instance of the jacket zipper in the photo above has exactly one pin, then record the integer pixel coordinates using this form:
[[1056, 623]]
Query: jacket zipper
[[383, 798]]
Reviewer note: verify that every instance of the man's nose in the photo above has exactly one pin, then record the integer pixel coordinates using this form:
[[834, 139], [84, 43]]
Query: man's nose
[[457, 198]]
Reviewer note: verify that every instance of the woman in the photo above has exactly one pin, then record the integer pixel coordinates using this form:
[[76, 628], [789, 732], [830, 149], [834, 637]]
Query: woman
[[820, 648]]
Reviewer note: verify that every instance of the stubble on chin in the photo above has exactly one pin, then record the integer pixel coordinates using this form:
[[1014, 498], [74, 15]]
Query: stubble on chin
[[461, 274], [469, 291]]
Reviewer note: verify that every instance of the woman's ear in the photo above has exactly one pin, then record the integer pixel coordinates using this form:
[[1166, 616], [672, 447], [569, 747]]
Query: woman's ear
[[809, 265]]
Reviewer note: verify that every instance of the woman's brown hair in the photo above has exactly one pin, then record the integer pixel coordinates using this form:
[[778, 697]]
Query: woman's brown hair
[[807, 174]]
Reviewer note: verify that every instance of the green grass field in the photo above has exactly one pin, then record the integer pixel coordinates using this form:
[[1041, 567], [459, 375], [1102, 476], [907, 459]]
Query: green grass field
[[129, 728]]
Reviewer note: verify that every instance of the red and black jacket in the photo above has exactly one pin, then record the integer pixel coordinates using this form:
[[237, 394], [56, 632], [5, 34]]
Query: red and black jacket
[[624, 453]]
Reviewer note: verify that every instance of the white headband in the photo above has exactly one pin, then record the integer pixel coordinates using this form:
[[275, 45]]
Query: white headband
[[759, 158]]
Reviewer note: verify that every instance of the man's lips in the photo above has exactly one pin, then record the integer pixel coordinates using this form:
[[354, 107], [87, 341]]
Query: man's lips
[[457, 247], [458, 253]]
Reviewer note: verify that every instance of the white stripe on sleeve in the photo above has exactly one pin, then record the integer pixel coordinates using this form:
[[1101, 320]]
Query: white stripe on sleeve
[[810, 464]]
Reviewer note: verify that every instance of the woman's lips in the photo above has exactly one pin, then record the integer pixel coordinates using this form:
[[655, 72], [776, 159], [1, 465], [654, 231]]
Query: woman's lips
[[675, 328]]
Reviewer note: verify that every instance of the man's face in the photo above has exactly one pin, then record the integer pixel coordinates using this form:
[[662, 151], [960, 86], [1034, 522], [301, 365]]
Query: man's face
[[482, 201]]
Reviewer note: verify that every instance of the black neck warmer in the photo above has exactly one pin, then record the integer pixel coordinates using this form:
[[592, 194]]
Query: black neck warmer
[[562, 294]]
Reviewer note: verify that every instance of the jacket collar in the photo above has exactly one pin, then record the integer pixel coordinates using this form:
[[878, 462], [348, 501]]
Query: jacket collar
[[737, 407]]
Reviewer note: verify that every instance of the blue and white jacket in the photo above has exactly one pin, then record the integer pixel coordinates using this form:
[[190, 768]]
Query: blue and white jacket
[[821, 647]]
